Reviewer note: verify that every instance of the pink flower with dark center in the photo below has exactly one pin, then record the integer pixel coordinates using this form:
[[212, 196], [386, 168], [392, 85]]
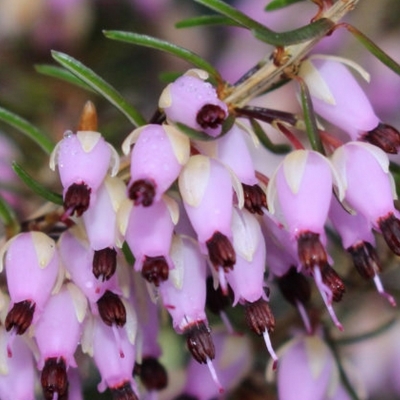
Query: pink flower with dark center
[[194, 102], [32, 267], [369, 190], [57, 334], [83, 160], [17, 373], [157, 158], [206, 189], [148, 232]]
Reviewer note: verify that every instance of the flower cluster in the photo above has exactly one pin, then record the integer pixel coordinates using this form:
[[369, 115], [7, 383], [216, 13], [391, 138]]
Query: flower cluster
[[184, 223]]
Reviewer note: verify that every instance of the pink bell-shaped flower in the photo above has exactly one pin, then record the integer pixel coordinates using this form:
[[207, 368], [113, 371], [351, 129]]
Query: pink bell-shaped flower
[[206, 189], [233, 152], [184, 296], [157, 158], [194, 102], [357, 238], [83, 160], [17, 373], [115, 371], [307, 370], [148, 232], [57, 333], [369, 189], [32, 267], [338, 97]]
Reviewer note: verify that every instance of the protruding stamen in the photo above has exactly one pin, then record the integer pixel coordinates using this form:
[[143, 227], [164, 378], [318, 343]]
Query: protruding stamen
[[142, 192], [385, 137], [77, 199], [210, 116], [54, 379], [382, 292], [326, 295], [104, 263], [111, 309], [254, 199], [214, 376], [20, 316], [123, 392], [199, 342], [310, 250], [153, 374], [221, 251], [333, 281], [390, 227], [304, 316], [155, 270], [270, 349]]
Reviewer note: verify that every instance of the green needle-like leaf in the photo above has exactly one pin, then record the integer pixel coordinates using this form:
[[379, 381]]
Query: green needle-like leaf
[[37, 187], [27, 129], [309, 118], [62, 74], [314, 30], [154, 43], [9, 219], [100, 86], [373, 48], [277, 4], [265, 140], [205, 20]]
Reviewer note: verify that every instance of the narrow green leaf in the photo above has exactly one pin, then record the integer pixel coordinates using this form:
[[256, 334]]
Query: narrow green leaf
[[169, 76], [37, 187], [129, 257], [205, 20], [265, 140], [277, 4], [27, 129], [316, 29], [158, 44], [373, 48], [9, 219], [309, 118], [100, 86], [62, 74]]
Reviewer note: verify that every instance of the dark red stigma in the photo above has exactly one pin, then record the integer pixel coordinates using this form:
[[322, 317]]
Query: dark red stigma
[[20, 316], [77, 199], [142, 192], [210, 116]]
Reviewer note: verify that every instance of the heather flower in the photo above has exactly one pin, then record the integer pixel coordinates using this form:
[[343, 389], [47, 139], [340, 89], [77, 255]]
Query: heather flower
[[83, 160], [232, 151], [62, 316], [17, 373], [232, 362], [115, 361], [148, 232], [79, 266], [307, 370], [206, 189], [32, 266], [357, 238], [338, 98], [364, 168], [300, 193], [157, 158], [194, 102]]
